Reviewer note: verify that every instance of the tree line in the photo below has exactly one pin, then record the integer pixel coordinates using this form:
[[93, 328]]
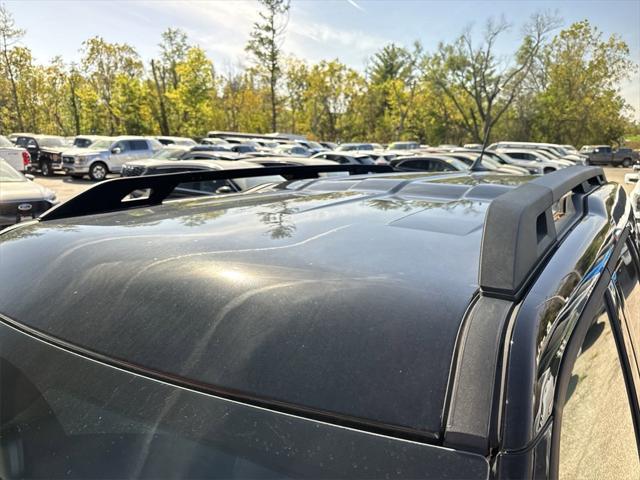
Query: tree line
[[558, 86]]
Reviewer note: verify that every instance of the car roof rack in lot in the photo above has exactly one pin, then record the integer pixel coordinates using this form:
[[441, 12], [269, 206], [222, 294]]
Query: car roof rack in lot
[[523, 226], [109, 195]]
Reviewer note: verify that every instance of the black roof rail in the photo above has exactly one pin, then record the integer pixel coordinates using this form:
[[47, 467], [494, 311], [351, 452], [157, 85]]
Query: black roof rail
[[520, 230], [108, 196]]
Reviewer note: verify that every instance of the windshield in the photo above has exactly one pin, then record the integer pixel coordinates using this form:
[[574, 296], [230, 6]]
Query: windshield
[[52, 142], [247, 183], [169, 153], [101, 144], [460, 165], [8, 174], [4, 142], [82, 142], [544, 154]]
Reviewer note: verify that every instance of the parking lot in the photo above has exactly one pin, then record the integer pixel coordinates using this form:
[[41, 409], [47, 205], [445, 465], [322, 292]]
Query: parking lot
[[66, 187]]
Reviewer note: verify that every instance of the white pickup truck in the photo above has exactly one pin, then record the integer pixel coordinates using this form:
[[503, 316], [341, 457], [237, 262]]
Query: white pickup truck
[[17, 157], [107, 156]]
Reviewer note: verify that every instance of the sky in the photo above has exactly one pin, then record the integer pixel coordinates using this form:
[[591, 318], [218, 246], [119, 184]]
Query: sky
[[350, 30]]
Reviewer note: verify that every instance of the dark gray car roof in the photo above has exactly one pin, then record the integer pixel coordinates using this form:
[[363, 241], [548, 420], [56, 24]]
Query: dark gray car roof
[[341, 296]]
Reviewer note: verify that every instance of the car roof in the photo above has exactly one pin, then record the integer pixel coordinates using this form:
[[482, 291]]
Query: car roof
[[130, 137], [216, 154], [290, 160], [516, 150], [330, 295], [212, 164], [425, 156], [346, 153]]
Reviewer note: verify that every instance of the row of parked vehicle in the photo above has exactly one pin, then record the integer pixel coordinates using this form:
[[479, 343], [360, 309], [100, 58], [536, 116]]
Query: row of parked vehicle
[[98, 156]]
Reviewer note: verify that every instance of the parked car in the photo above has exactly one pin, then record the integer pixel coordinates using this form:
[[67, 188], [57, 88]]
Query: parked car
[[213, 141], [168, 140], [45, 151], [533, 167], [556, 150], [293, 149], [211, 187], [107, 156], [383, 157], [428, 163], [311, 146], [265, 145], [605, 155], [398, 325], [571, 149], [487, 163], [329, 145], [242, 147], [403, 146], [20, 197], [288, 161], [349, 157], [532, 155], [17, 157], [291, 161], [343, 147], [85, 141]]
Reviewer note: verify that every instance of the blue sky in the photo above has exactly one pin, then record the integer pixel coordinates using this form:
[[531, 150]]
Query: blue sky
[[350, 30]]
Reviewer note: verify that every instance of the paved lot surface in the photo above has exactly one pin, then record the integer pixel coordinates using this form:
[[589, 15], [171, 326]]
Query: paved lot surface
[[67, 187]]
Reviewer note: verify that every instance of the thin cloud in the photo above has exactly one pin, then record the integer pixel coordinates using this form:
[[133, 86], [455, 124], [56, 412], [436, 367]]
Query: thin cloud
[[355, 5]]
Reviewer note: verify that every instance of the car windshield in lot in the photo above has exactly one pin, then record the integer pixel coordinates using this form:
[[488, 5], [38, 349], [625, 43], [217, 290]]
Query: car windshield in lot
[[8, 174], [4, 142], [101, 144], [247, 183], [458, 164], [52, 142], [169, 153]]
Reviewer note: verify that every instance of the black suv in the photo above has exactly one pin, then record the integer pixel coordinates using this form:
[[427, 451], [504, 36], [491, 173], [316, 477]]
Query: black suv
[[45, 151], [396, 325]]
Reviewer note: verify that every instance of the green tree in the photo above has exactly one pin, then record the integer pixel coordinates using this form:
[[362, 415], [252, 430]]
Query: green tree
[[580, 103], [112, 69], [296, 84], [195, 93], [9, 36], [265, 44], [480, 84], [174, 48]]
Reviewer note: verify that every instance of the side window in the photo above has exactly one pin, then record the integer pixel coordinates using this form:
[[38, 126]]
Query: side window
[[31, 143], [439, 166], [137, 145], [518, 155], [413, 164], [208, 186], [597, 437], [123, 146]]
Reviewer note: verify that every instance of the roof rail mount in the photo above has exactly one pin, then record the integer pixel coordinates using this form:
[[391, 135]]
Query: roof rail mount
[[109, 195], [520, 230]]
